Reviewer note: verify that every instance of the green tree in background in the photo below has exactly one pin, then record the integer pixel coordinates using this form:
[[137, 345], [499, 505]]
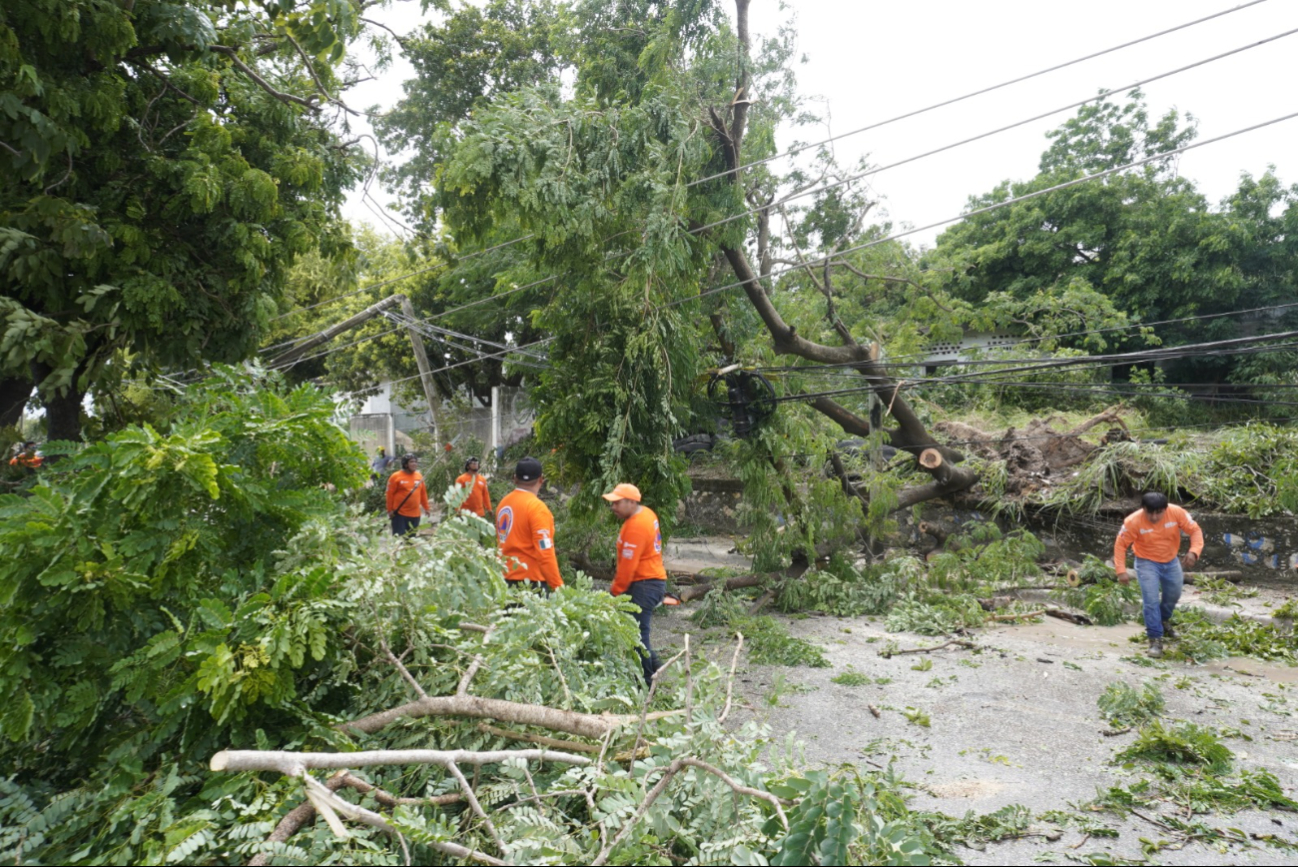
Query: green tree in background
[[1146, 240], [163, 163]]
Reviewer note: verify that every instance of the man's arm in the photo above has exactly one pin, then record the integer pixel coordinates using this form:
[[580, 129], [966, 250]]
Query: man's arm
[[1120, 546], [1192, 529], [543, 536]]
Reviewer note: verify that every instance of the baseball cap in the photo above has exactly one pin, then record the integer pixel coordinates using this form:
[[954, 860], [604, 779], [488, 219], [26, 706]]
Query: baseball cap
[[623, 492], [528, 470]]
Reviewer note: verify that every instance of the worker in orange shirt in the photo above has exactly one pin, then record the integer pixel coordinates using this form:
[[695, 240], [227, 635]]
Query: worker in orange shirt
[[29, 458], [1154, 533], [640, 570], [407, 497], [525, 531], [479, 499]]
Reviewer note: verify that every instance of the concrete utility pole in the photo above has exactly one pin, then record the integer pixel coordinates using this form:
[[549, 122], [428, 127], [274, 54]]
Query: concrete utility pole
[[425, 370], [293, 355]]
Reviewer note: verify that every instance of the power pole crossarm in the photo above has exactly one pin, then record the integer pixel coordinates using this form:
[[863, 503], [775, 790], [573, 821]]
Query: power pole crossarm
[[291, 356]]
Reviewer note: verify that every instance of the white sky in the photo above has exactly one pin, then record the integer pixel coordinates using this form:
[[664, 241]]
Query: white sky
[[871, 60]]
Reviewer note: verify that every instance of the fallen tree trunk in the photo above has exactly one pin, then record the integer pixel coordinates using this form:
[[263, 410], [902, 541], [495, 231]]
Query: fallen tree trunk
[[698, 591]]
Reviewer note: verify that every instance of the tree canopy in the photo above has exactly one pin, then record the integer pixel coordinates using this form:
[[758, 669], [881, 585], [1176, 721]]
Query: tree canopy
[[164, 162]]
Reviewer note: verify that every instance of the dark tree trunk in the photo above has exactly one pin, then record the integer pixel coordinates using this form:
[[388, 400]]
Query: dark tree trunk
[[62, 410], [14, 394]]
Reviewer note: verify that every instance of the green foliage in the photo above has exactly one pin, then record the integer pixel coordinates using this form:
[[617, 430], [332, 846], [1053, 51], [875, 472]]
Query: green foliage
[[935, 614], [977, 831], [1253, 470], [1204, 640], [1183, 744], [1123, 705], [980, 556], [842, 589], [1121, 471], [1146, 241], [138, 575], [157, 191], [769, 643], [1104, 599], [851, 677], [822, 830]]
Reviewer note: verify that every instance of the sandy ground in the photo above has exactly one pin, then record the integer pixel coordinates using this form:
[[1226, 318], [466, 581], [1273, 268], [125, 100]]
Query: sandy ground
[[1015, 721]]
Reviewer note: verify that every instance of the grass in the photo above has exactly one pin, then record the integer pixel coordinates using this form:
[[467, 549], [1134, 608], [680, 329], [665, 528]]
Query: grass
[[851, 677]]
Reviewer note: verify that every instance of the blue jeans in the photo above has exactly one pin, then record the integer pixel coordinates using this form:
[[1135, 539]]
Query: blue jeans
[[648, 595], [1160, 590], [402, 525]]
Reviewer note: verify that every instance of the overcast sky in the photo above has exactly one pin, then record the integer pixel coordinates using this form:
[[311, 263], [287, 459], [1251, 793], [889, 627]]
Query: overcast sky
[[869, 61]]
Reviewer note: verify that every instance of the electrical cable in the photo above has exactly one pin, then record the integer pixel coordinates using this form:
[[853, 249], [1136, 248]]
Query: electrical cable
[[1083, 362], [892, 359], [406, 322], [797, 149], [437, 333], [1102, 95], [532, 235], [296, 361], [992, 207]]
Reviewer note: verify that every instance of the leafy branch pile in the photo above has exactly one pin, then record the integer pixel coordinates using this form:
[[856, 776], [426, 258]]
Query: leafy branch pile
[[195, 595]]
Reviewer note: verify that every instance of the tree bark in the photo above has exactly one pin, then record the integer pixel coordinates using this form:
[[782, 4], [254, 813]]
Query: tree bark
[[14, 394], [911, 434], [62, 410], [586, 725], [292, 764]]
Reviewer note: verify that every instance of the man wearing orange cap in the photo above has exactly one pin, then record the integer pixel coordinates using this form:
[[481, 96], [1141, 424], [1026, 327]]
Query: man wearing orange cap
[[525, 531], [640, 569]]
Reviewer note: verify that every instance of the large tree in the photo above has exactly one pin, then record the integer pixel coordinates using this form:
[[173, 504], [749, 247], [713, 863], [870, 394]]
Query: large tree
[[163, 162], [598, 163], [1147, 240]]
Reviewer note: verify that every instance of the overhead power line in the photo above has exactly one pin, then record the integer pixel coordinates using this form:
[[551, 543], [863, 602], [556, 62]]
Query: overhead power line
[[797, 149], [1018, 123], [992, 207], [800, 148]]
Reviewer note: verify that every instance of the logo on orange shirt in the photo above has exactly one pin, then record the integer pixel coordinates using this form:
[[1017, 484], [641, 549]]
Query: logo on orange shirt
[[504, 523]]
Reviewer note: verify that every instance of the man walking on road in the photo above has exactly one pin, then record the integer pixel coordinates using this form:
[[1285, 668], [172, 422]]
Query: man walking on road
[[525, 532], [640, 570], [407, 497], [479, 499], [1154, 533]]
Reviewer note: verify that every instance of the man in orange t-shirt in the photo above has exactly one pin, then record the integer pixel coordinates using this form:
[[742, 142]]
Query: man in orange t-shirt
[[640, 570], [525, 531], [479, 499], [1154, 533], [407, 497], [29, 458]]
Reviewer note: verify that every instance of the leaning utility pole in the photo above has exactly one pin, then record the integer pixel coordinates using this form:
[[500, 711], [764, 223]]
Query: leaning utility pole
[[425, 369], [292, 356]]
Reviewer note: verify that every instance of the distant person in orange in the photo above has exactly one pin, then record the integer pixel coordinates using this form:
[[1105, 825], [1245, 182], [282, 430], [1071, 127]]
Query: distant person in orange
[[1154, 533], [407, 497], [525, 531], [28, 458], [640, 570], [479, 499]]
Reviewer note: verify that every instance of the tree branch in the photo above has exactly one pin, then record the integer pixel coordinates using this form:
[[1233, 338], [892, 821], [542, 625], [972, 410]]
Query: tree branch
[[293, 764], [261, 82]]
